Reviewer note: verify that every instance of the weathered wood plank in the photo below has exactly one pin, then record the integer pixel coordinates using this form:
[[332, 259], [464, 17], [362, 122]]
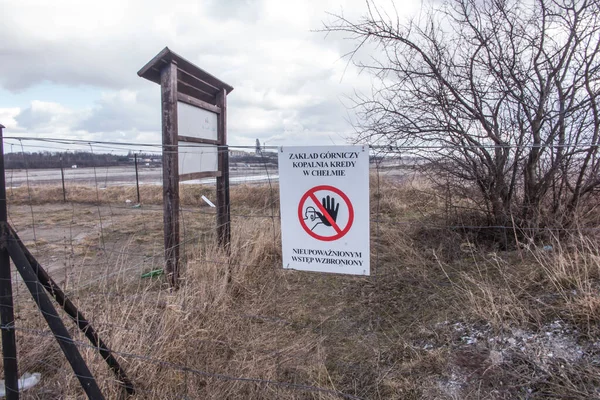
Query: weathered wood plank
[[223, 207], [170, 172], [157, 59], [58, 328], [197, 82], [199, 175], [7, 317], [192, 91], [149, 71], [187, 66], [198, 103], [191, 139]]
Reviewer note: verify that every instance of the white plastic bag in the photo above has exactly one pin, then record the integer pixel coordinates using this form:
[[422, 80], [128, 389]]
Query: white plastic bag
[[27, 381]]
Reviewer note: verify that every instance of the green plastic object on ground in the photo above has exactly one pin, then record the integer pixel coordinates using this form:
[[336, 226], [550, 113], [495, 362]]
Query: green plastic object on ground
[[152, 274]]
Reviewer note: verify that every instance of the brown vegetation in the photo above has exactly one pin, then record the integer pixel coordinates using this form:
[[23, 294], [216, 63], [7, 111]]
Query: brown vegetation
[[501, 97], [443, 316]]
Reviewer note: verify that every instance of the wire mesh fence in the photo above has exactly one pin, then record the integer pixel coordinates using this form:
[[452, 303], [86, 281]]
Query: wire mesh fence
[[239, 326]]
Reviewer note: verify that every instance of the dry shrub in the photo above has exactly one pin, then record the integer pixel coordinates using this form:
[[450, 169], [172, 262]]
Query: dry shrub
[[409, 199], [540, 283], [572, 270], [528, 321], [494, 297]]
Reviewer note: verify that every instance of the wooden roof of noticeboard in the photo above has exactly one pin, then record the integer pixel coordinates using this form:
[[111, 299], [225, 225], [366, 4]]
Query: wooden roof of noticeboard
[[191, 80]]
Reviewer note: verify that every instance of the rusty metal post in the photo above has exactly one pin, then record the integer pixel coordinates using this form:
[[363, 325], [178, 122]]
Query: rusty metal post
[[7, 317]]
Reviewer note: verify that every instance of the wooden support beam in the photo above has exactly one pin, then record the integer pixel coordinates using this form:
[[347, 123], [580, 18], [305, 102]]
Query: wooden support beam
[[191, 139], [191, 80], [199, 175], [192, 91], [7, 316], [73, 312], [151, 70], [223, 209], [198, 103], [60, 332], [168, 78]]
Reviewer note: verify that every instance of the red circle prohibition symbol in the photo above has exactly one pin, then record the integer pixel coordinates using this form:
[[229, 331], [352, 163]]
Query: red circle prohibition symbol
[[339, 232]]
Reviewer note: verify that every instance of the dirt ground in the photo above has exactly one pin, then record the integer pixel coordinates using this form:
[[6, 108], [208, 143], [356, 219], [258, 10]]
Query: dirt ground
[[73, 241]]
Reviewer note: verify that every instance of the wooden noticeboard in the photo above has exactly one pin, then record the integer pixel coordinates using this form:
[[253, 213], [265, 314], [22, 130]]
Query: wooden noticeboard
[[194, 137]]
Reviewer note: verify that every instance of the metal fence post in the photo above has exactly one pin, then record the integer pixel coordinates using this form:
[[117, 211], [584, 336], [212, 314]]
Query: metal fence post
[[137, 178], [62, 177]]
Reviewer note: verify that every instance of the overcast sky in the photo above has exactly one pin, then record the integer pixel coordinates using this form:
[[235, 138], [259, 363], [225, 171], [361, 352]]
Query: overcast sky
[[68, 68]]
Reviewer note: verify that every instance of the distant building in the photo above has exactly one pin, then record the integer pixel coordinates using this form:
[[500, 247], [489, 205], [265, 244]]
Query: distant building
[[238, 153], [258, 150]]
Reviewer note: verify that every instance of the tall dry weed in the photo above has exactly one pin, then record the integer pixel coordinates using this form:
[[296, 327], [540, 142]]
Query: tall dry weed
[[201, 341]]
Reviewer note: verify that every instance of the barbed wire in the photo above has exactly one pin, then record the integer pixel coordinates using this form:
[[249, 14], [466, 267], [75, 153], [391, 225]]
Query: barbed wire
[[390, 147]]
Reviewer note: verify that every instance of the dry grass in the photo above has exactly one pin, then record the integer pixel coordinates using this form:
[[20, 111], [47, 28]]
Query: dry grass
[[437, 320], [558, 280], [213, 323], [189, 194]]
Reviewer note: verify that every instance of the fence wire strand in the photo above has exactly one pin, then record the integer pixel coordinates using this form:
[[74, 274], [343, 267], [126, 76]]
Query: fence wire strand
[[108, 239]]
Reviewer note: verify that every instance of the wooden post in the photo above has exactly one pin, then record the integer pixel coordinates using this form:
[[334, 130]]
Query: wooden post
[[223, 215], [183, 81], [61, 334], [168, 80], [137, 178], [62, 177], [7, 317], [73, 312]]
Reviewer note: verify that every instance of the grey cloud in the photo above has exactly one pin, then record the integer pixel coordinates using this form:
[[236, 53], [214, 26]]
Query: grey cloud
[[246, 10], [326, 116], [46, 117], [112, 59], [291, 76], [23, 67], [121, 112], [29, 119]]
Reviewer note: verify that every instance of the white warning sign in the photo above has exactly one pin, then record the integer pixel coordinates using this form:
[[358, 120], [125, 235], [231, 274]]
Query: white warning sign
[[324, 201]]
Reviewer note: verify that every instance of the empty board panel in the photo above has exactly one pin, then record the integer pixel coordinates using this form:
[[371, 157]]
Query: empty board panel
[[196, 122], [197, 158]]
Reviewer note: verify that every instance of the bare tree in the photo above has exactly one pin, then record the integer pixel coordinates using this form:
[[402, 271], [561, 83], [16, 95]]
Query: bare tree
[[501, 95]]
